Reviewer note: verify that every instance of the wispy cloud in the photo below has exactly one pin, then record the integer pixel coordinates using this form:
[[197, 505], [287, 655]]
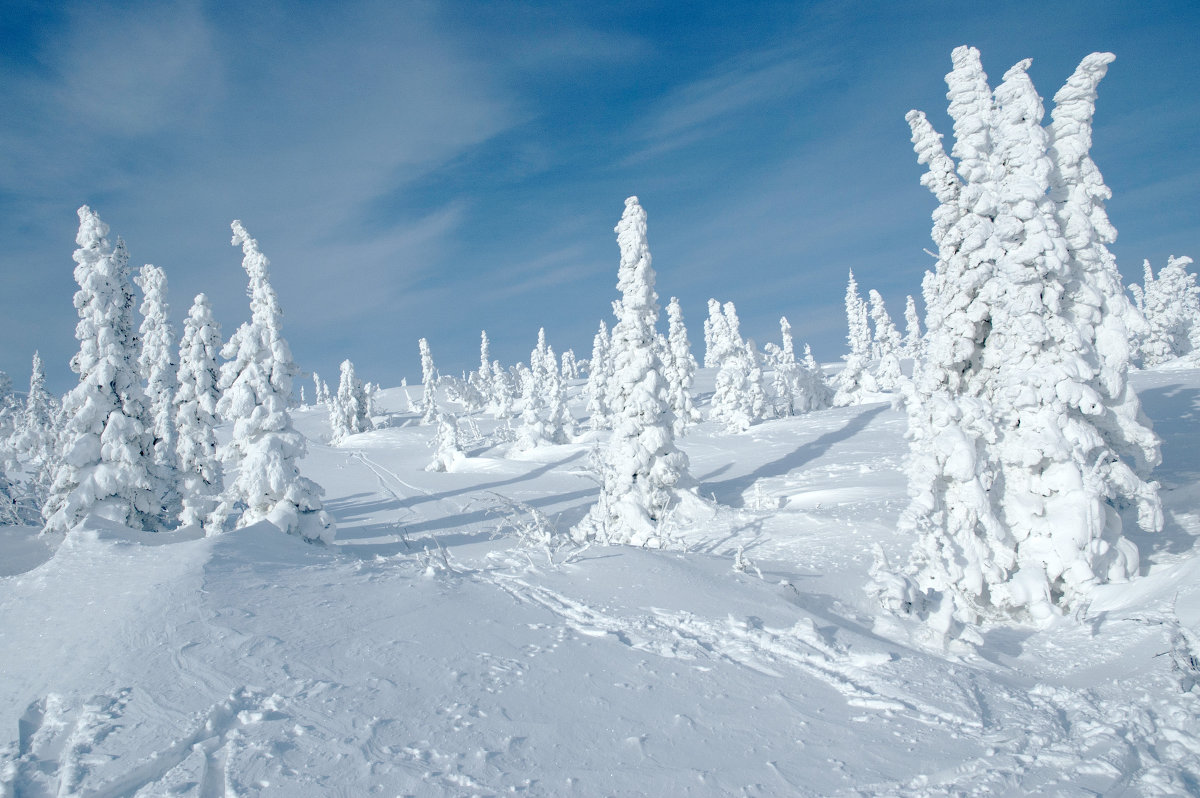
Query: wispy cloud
[[705, 107]]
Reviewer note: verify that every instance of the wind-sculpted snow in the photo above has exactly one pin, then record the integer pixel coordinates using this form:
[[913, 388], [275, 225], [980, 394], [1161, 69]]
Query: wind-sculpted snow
[[436, 649]]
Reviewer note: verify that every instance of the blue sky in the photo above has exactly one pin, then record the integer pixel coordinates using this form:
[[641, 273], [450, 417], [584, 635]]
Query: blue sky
[[433, 169]]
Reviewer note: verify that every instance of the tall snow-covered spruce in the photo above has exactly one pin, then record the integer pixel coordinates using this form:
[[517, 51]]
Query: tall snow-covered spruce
[[854, 377], [159, 369], [643, 475], [1015, 468], [201, 480], [256, 385], [106, 462]]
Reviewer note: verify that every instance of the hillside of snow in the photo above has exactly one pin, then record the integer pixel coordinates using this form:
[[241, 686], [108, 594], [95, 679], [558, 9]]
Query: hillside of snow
[[452, 641]]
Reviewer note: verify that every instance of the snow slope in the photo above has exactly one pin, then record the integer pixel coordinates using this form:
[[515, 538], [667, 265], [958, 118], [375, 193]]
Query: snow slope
[[436, 650]]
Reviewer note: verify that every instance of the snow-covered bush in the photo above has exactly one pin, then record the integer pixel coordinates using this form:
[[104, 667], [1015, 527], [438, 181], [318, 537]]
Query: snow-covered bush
[[1015, 468], [106, 463], [643, 475], [256, 385]]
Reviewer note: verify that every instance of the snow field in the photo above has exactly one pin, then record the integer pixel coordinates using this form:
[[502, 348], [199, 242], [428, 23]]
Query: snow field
[[428, 653]]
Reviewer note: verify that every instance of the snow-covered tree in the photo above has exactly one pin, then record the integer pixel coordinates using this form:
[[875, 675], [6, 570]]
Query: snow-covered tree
[[36, 434], [543, 397], [887, 345], [855, 377], [348, 411], [256, 385], [106, 463], [1016, 478], [912, 329], [598, 379], [201, 479], [481, 381], [717, 342], [318, 394], [643, 474], [569, 368], [429, 380], [681, 369], [10, 409], [558, 417], [159, 368], [1170, 304], [815, 392], [447, 448], [1096, 295]]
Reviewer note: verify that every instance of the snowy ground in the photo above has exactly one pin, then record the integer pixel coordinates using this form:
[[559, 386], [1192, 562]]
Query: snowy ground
[[431, 652]]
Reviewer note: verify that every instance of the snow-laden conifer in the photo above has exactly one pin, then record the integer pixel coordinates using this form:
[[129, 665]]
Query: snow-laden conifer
[[599, 375], [855, 377], [681, 369], [256, 385], [643, 474], [106, 463], [569, 368], [1096, 297], [447, 448], [36, 437], [722, 334], [429, 381], [912, 329], [201, 479], [543, 399], [159, 367], [558, 418], [1015, 487], [348, 412], [887, 344], [1171, 305]]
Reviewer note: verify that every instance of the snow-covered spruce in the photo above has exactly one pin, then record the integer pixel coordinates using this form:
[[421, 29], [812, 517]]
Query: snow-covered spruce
[[1016, 483], [429, 382], [544, 417], [912, 329], [1170, 305], [107, 456], [1096, 297], [855, 377], [201, 479], [599, 375], [681, 369], [447, 448], [35, 440], [887, 344], [159, 368], [348, 412], [256, 385], [643, 475]]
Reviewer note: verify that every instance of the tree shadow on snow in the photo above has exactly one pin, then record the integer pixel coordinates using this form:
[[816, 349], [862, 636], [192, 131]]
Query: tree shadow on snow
[[1175, 410], [729, 492]]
